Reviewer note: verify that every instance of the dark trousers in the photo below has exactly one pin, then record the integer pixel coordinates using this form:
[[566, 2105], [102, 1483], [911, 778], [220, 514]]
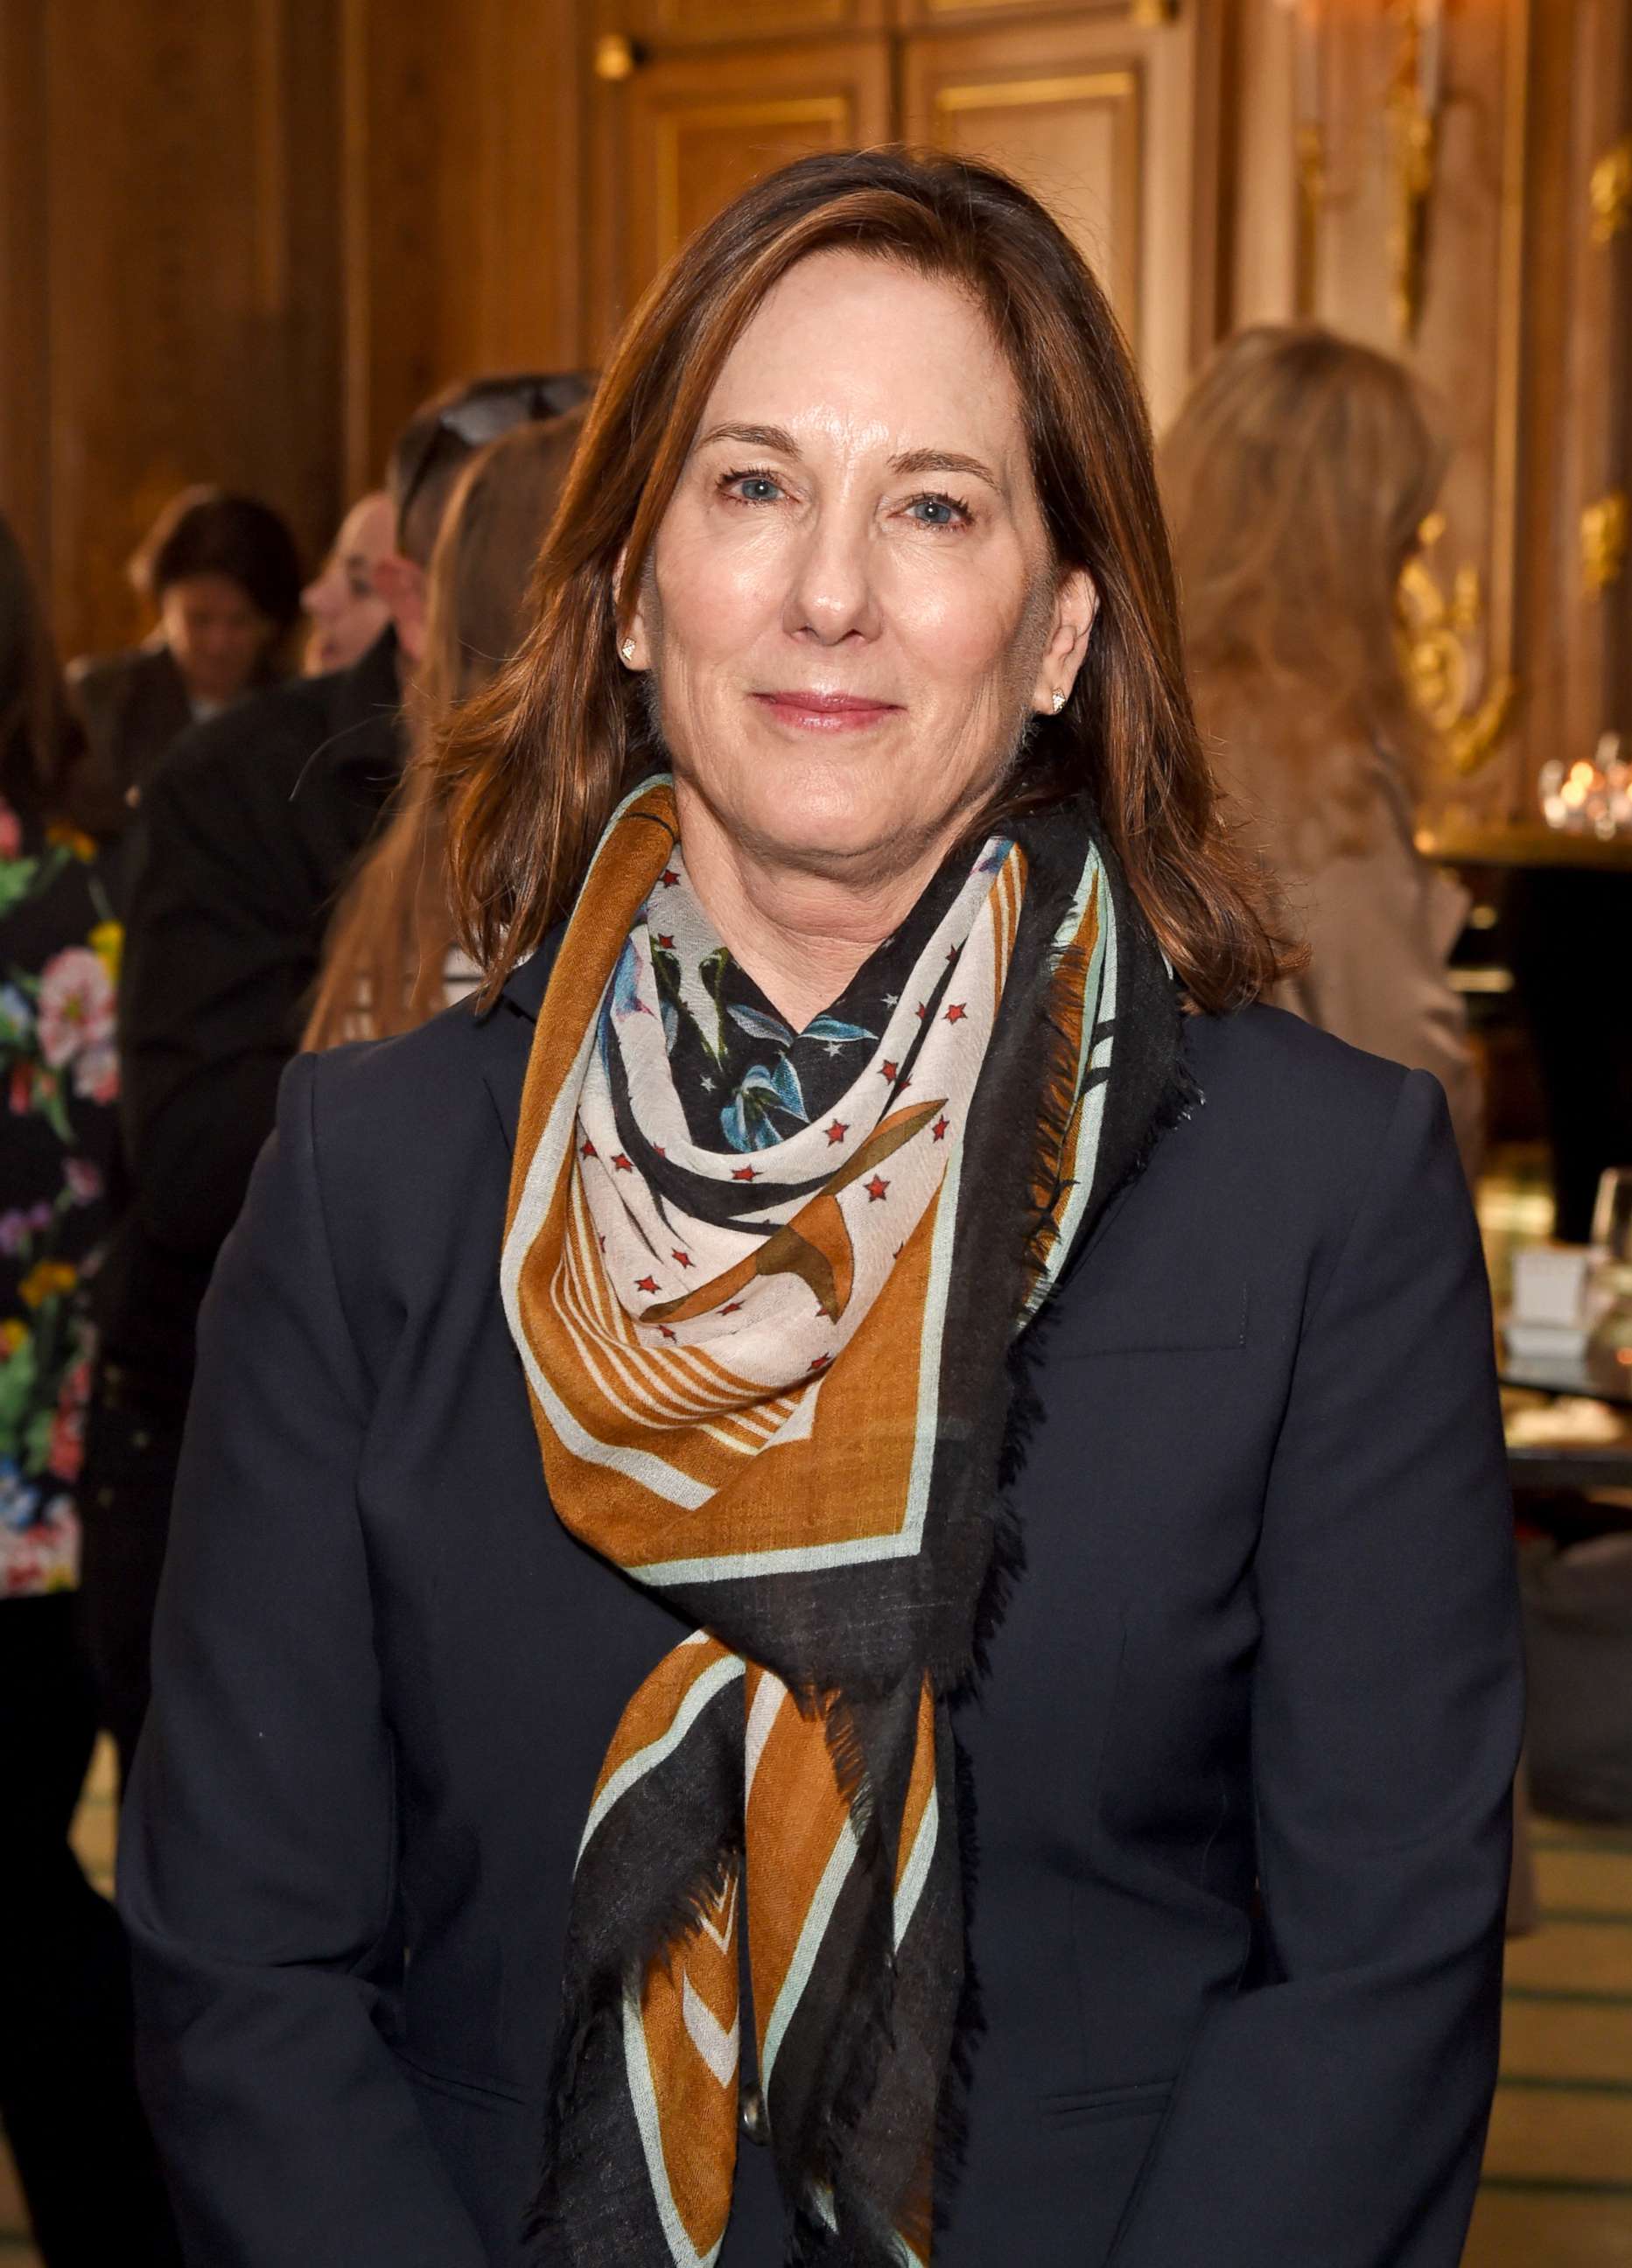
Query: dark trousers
[[67, 2090], [132, 1448]]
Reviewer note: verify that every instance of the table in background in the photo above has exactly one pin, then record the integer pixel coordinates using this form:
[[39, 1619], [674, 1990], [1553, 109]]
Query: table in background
[[1556, 1466]]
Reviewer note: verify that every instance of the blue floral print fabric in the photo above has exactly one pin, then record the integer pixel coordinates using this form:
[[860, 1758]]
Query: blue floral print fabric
[[746, 1079]]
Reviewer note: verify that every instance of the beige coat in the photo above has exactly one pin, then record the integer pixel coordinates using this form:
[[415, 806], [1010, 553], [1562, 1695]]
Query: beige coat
[[1380, 924]]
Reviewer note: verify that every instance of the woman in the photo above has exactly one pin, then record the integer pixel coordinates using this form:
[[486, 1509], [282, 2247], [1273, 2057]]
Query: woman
[[67, 2089], [223, 577], [541, 1606], [1296, 478], [346, 612], [390, 960]]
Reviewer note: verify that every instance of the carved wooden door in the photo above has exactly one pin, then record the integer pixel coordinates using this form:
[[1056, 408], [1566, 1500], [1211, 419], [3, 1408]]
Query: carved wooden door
[[1097, 107], [1099, 113], [698, 101]]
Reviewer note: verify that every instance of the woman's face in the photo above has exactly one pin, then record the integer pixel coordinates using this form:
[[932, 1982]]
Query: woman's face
[[347, 613], [851, 609], [216, 633]]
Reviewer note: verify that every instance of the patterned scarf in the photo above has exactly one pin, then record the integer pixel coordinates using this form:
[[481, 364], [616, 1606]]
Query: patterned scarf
[[764, 1286]]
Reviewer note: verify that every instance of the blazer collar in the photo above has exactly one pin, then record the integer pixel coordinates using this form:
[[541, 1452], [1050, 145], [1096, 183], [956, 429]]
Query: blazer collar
[[524, 987], [510, 1031]]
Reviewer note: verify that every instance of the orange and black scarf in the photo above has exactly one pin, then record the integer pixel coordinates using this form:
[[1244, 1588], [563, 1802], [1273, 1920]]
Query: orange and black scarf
[[767, 1311]]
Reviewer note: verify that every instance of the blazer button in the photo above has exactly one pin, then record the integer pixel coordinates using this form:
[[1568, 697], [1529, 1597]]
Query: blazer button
[[755, 2123]]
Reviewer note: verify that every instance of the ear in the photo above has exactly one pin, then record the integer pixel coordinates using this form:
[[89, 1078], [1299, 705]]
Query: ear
[[402, 585], [635, 633], [1077, 603]]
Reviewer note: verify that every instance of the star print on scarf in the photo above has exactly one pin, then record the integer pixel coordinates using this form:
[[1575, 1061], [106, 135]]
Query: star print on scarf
[[765, 1326]]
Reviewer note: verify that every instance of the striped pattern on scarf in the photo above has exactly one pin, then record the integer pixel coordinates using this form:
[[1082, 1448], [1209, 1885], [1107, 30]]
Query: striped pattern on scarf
[[773, 1386]]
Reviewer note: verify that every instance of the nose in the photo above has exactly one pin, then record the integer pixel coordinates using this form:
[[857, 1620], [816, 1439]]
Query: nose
[[830, 596], [314, 598]]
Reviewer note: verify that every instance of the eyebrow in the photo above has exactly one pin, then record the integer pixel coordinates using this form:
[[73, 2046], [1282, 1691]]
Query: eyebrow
[[779, 439]]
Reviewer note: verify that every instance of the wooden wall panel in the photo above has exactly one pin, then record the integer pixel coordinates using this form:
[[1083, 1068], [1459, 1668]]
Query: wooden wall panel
[[25, 453], [685, 20], [184, 210], [700, 128], [1112, 123], [1469, 343], [1520, 336], [464, 236], [1073, 125], [1589, 497], [959, 15], [243, 242], [391, 157]]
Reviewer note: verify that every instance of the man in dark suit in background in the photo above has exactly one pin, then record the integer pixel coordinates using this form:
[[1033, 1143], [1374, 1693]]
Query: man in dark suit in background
[[246, 835]]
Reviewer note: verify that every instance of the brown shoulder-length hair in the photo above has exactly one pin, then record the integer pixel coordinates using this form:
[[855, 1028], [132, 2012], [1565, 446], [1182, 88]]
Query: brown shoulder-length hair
[[533, 768], [1296, 477], [385, 958]]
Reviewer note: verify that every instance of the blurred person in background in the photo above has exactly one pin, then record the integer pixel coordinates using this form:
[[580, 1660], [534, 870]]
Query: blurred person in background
[[67, 2086], [223, 575], [1296, 477], [346, 612], [390, 961], [247, 833]]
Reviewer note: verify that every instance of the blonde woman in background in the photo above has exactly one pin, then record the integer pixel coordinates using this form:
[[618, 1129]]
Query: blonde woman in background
[[1296, 477], [390, 961]]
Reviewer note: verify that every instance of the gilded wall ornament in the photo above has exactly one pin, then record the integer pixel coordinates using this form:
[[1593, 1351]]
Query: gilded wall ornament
[[1611, 192], [1443, 636], [1604, 543]]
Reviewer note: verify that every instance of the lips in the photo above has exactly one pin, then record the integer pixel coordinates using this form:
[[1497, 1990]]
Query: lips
[[826, 712]]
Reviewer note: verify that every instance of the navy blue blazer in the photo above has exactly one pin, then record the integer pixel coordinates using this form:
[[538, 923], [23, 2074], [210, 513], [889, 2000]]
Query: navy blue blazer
[[1241, 1763]]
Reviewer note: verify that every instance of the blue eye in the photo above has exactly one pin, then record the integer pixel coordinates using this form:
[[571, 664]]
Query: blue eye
[[753, 488], [938, 511]]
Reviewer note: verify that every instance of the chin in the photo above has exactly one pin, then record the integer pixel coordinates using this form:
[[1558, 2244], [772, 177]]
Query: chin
[[824, 828]]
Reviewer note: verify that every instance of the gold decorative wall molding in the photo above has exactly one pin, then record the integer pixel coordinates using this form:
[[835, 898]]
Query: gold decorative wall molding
[[1443, 643], [1611, 192], [1414, 102], [1604, 543], [1502, 638], [1150, 15]]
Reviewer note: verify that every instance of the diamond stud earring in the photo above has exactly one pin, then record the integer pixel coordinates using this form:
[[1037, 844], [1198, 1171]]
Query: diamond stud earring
[[627, 649], [1060, 702]]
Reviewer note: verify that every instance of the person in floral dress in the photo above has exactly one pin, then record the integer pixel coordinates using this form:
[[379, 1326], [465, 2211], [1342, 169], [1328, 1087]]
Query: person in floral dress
[[67, 2095], [58, 956]]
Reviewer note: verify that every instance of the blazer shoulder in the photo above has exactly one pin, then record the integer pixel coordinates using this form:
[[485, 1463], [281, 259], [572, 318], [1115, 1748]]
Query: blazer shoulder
[[1291, 1079], [407, 1130], [1295, 1128], [1291, 1117]]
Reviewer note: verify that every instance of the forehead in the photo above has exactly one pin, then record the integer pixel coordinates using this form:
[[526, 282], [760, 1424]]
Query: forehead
[[367, 528], [845, 342], [219, 593]]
